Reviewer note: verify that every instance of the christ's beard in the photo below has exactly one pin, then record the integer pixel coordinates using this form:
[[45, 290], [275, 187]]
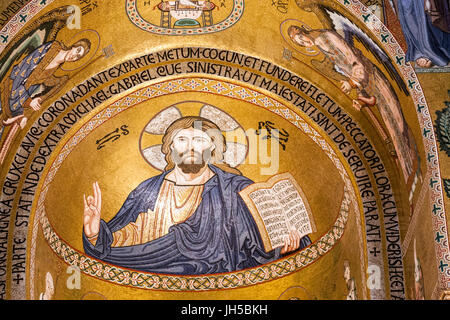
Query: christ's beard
[[194, 165], [191, 167]]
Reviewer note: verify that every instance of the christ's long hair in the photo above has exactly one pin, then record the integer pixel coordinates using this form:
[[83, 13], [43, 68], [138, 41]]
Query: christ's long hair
[[218, 139]]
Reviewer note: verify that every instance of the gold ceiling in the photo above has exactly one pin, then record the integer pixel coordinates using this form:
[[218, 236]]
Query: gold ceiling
[[314, 101]]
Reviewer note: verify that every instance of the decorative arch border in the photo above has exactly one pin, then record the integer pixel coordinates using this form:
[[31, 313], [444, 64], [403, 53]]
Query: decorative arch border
[[20, 19], [242, 278], [438, 217]]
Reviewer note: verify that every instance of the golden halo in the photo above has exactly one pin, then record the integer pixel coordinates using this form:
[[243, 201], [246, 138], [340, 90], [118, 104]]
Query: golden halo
[[151, 137], [300, 49], [92, 36]]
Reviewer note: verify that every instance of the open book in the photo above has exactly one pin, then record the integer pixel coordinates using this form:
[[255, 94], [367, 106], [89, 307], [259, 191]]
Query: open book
[[277, 206]]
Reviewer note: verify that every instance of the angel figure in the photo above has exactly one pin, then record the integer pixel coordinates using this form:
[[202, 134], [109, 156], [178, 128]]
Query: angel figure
[[345, 63], [31, 82]]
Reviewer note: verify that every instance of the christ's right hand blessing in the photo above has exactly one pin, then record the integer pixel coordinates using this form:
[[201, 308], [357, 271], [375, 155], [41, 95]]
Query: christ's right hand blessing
[[92, 209]]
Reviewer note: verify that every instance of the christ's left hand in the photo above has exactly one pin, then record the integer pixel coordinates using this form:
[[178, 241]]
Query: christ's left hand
[[292, 242]]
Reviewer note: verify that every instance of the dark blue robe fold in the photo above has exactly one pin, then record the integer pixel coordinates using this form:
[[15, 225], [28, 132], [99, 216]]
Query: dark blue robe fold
[[220, 236], [424, 40], [20, 74]]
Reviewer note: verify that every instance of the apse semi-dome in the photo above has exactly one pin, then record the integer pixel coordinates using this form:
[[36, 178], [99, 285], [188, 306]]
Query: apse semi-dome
[[222, 149]]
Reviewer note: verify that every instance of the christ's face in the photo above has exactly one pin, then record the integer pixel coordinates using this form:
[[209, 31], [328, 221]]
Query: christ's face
[[191, 149], [75, 54]]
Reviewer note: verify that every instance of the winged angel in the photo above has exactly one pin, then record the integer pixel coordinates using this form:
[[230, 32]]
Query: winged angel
[[345, 63], [27, 71]]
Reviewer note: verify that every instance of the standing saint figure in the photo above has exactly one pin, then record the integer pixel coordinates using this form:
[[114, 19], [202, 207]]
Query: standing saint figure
[[49, 288], [426, 27], [373, 88], [188, 220], [32, 81], [419, 293]]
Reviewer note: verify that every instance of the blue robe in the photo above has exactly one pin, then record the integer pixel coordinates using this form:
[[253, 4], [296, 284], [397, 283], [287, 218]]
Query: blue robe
[[220, 236], [424, 40], [20, 73]]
